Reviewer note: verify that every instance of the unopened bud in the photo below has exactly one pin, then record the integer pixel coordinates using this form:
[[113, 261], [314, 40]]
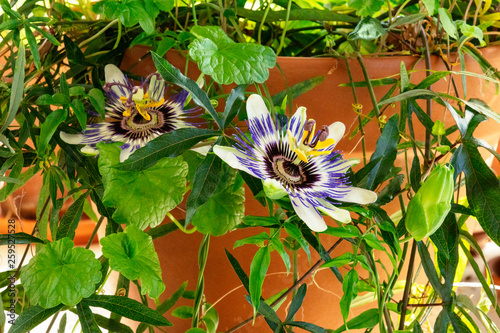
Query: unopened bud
[[432, 202]]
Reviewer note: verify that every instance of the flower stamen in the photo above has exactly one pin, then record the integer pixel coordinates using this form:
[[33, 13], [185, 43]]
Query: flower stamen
[[311, 145]]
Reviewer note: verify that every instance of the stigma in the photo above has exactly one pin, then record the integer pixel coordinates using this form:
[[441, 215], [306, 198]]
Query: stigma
[[311, 144]]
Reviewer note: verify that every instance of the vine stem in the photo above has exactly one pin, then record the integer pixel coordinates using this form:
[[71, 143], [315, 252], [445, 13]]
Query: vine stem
[[94, 232], [88, 40], [289, 290], [356, 102], [369, 84], [406, 293]]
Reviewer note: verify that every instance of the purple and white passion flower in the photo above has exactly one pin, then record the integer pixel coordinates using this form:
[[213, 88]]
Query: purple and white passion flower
[[135, 115], [298, 160]]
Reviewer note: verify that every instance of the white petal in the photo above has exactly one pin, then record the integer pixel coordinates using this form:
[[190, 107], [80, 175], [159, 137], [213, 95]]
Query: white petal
[[89, 150], [336, 131], [125, 153], [338, 214], [309, 215], [297, 121], [360, 196], [256, 108], [230, 156], [113, 74], [139, 95], [156, 88], [72, 139]]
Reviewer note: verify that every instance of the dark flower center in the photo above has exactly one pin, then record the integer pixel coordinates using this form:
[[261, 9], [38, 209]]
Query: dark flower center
[[288, 172]]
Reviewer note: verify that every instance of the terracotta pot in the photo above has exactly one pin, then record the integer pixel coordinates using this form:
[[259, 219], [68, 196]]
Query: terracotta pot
[[326, 103]]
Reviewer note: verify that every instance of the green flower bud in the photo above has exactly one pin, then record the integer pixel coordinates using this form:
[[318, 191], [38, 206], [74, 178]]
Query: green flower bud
[[432, 202]]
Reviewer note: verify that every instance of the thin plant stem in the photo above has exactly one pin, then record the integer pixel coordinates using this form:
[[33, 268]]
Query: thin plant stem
[[406, 293], [369, 84], [356, 102], [53, 320], [119, 36], [282, 41], [289, 290], [94, 232], [259, 34], [103, 30], [195, 19], [179, 225]]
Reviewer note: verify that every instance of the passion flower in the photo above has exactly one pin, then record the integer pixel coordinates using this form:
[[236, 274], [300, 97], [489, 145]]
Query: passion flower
[[298, 159], [135, 115]]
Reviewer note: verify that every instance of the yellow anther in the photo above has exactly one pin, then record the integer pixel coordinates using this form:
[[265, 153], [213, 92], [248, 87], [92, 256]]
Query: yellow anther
[[318, 153], [301, 155], [324, 144]]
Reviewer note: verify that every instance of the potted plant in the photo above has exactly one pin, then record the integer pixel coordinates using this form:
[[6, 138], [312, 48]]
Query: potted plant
[[166, 149]]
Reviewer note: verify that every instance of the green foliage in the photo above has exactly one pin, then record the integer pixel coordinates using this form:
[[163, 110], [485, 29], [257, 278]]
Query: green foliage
[[226, 61], [132, 253], [136, 195], [60, 273], [223, 210]]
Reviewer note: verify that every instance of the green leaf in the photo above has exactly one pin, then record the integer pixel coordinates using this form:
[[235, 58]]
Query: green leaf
[[73, 52], [171, 74], [10, 24], [165, 5], [183, 312], [430, 5], [368, 29], [80, 113], [19, 238], [483, 188], [205, 182], [32, 317], [48, 128], [389, 192], [87, 320], [430, 271], [297, 89], [227, 61], [350, 292], [196, 330], [409, 19], [446, 240], [62, 324], [167, 145], [60, 273], [17, 90], [96, 97], [139, 197], [258, 269], [239, 271], [71, 219], [164, 45], [255, 185], [33, 46], [111, 325], [132, 253], [222, 211], [234, 103], [448, 24], [296, 302], [386, 150], [128, 308], [366, 7], [277, 245], [307, 326], [367, 319]]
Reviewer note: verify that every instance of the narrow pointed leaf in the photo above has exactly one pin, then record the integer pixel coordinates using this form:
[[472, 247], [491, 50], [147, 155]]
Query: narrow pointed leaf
[[32, 317]]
